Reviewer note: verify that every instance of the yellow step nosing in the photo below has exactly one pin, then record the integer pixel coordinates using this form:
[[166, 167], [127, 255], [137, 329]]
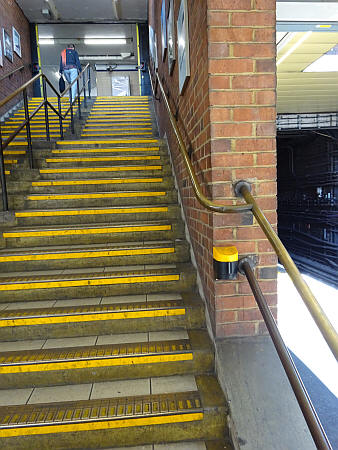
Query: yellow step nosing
[[105, 134], [93, 317], [102, 169], [111, 141], [107, 150], [101, 425], [80, 212], [103, 158], [87, 254], [80, 196], [101, 181], [95, 363], [89, 282], [82, 231]]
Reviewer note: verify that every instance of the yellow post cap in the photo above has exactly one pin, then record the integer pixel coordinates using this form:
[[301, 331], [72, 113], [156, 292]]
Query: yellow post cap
[[225, 254]]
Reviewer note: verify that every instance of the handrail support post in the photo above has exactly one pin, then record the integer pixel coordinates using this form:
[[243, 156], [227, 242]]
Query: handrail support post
[[3, 176], [28, 129], [44, 90], [78, 98]]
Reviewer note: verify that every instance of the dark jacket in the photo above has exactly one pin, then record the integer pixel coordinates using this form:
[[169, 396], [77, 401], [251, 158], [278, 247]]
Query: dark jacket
[[69, 60]]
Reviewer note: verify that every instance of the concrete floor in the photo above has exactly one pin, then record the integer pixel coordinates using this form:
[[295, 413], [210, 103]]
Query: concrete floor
[[314, 360]]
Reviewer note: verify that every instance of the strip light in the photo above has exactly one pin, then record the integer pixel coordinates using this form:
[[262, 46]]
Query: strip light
[[46, 41], [105, 41], [294, 47]]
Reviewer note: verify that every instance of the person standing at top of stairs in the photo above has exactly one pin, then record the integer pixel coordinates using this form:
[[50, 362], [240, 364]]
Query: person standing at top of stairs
[[70, 66]]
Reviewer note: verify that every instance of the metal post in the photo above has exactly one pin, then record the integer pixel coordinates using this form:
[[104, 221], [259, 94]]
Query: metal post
[[78, 98], [84, 89], [304, 401], [28, 129], [60, 117], [71, 111], [44, 90], [89, 84], [3, 176]]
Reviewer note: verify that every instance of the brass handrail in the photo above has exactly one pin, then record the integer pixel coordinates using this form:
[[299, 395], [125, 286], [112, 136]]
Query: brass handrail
[[9, 74], [316, 311], [323, 323], [209, 204]]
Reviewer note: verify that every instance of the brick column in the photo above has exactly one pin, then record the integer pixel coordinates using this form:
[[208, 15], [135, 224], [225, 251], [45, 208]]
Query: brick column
[[227, 118], [242, 91]]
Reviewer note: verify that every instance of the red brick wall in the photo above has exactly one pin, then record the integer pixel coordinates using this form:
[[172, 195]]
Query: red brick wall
[[11, 15], [227, 117]]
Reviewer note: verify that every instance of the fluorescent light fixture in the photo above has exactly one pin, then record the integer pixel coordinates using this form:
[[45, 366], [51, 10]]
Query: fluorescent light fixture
[[104, 41], [325, 63], [46, 41], [294, 47]]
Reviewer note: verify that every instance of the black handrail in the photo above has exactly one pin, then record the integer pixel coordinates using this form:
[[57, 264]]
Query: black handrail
[[44, 103], [9, 74], [304, 401]]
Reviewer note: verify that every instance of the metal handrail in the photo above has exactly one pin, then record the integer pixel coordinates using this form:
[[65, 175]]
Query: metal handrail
[[44, 103], [242, 189], [209, 204], [19, 69], [304, 401]]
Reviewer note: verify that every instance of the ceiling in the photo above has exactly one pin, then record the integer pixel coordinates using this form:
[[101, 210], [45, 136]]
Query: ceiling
[[85, 10], [300, 91]]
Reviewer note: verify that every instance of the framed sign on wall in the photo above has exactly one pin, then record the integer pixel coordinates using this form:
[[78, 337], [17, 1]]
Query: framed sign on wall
[[16, 42], [8, 48], [163, 30], [183, 45], [1, 60], [171, 37], [153, 47]]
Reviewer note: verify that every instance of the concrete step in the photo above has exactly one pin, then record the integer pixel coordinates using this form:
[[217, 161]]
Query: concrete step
[[106, 362], [30, 324], [106, 143], [97, 215], [93, 234], [99, 199], [102, 184], [95, 282], [147, 169], [77, 161], [95, 255], [116, 421]]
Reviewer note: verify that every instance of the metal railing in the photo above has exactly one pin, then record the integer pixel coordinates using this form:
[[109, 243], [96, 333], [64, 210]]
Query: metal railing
[[8, 75], [307, 121], [44, 104], [304, 401], [242, 189]]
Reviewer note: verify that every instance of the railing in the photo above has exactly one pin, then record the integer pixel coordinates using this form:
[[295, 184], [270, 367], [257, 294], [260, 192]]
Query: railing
[[307, 121], [46, 104], [242, 189], [8, 75]]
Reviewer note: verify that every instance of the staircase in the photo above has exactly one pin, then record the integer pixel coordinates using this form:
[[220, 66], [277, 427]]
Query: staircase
[[103, 335]]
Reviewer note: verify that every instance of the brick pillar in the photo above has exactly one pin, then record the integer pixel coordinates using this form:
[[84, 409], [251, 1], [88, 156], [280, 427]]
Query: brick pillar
[[227, 119], [242, 91]]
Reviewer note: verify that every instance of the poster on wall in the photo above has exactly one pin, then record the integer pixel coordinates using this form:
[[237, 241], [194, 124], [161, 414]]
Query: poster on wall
[[1, 60], [153, 47], [163, 30], [183, 45], [16, 42], [171, 37], [7, 41]]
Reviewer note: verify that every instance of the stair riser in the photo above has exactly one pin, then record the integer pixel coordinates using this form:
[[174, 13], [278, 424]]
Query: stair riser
[[109, 143], [211, 427], [162, 171], [168, 198], [181, 255], [173, 212], [166, 184], [184, 284], [193, 318], [202, 362], [177, 232]]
